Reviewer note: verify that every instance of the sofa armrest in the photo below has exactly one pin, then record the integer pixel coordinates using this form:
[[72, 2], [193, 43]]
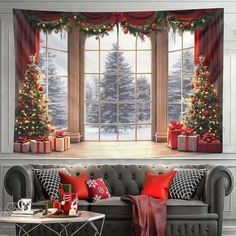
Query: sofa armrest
[[19, 182], [218, 184]]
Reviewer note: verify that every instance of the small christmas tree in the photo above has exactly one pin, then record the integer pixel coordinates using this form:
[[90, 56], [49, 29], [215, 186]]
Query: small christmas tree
[[32, 118], [204, 113]]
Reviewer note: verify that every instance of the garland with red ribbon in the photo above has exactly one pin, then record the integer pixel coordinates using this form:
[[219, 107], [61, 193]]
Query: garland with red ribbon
[[159, 22]]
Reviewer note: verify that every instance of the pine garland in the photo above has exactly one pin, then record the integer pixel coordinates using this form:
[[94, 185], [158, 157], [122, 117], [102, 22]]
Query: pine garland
[[158, 23]]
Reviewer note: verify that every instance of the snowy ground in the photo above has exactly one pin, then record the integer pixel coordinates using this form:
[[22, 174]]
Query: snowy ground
[[143, 133]]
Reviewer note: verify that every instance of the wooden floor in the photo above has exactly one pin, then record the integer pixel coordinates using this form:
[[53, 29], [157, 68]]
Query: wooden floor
[[127, 150]]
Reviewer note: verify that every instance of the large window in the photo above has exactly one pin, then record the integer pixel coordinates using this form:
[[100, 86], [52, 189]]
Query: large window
[[53, 63], [117, 83], [181, 70]]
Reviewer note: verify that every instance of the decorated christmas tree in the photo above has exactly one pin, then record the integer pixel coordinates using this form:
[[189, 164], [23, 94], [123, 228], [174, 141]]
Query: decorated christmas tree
[[204, 113], [32, 118]]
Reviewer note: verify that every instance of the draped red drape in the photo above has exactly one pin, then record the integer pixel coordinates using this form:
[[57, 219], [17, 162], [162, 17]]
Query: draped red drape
[[208, 42]]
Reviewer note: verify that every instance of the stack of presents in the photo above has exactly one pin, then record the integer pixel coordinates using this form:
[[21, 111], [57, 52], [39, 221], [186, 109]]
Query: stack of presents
[[59, 142], [185, 139]]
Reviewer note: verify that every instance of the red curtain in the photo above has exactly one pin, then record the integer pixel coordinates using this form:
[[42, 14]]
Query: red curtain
[[208, 42]]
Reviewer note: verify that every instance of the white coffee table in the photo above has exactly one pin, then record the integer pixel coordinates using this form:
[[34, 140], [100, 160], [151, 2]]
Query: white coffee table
[[85, 217]]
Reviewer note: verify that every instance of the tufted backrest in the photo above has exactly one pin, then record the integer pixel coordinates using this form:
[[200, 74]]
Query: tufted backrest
[[122, 179]]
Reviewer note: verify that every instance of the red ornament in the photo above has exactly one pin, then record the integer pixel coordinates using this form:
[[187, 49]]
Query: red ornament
[[188, 24], [32, 103], [97, 37], [206, 88], [150, 31], [126, 31], [78, 22], [32, 78], [108, 28], [158, 20], [126, 24], [83, 25], [41, 88], [153, 25], [206, 113], [37, 86], [192, 86], [181, 26]]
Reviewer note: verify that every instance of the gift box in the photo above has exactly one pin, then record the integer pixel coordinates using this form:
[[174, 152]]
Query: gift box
[[173, 131], [60, 142], [41, 145], [22, 145], [187, 143], [214, 147]]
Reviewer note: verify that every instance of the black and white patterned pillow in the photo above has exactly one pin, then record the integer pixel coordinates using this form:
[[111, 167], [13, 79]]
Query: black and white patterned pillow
[[185, 183], [50, 180]]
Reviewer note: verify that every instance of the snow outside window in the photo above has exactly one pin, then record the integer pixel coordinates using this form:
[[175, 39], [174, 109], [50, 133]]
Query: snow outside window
[[118, 97], [53, 62], [180, 73]]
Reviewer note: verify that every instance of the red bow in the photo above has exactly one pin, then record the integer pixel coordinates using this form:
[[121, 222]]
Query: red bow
[[188, 132], [22, 140], [117, 17], [210, 138], [41, 139], [175, 126], [60, 134]]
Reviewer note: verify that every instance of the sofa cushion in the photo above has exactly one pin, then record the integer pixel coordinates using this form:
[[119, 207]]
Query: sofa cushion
[[185, 183], [113, 207], [185, 207]]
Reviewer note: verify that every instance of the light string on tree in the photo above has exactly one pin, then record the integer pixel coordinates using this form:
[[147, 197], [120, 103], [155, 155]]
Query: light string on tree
[[159, 22]]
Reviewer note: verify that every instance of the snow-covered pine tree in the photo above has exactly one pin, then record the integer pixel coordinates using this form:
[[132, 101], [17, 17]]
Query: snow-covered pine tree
[[117, 80]]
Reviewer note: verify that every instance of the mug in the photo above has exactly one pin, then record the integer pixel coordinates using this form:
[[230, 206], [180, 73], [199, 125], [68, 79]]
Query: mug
[[24, 204]]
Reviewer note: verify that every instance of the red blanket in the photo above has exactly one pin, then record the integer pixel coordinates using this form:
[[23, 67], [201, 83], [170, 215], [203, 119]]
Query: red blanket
[[149, 215]]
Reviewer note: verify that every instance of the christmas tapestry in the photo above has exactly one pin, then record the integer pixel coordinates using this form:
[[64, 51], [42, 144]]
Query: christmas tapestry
[[120, 100]]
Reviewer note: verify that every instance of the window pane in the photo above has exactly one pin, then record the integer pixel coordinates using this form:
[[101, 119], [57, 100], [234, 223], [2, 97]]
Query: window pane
[[187, 81], [143, 44], [174, 112], [127, 113], [144, 87], [42, 60], [126, 41], [91, 87], [144, 132], [42, 39], [109, 132], [174, 41], [144, 62], [91, 43], [108, 88], [57, 63], [188, 63], [174, 91], [91, 62], [188, 39], [58, 41], [59, 115], [126, 132], [91, 132], [92, 113], [143, 112], [108, 113], [175, 63], [126, 61], [107, 41], [126, 87], [57, 89]]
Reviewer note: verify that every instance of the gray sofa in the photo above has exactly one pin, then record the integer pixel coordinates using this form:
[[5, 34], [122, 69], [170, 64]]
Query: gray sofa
[[203, 215]]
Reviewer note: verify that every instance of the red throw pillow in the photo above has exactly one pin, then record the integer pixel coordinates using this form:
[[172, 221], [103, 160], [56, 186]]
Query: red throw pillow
[[157, 186], [98, 189], [78, 184]]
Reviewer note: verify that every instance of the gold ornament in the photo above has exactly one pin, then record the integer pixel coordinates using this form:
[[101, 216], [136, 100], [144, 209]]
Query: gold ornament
[[203, 21], [192, 24], [43, 25], [87, 29], [99, 30], [94, 31], [104, 27]]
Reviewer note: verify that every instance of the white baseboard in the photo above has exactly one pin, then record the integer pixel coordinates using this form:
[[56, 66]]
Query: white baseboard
[[229, 230]]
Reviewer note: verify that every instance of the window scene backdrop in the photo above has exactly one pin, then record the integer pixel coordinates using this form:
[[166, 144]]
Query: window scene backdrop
[[101, 77]]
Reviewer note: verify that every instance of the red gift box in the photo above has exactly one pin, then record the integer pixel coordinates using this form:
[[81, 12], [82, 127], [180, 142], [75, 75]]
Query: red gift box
[[70, 201], [209, 143], [213, 147], [173, 131]]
